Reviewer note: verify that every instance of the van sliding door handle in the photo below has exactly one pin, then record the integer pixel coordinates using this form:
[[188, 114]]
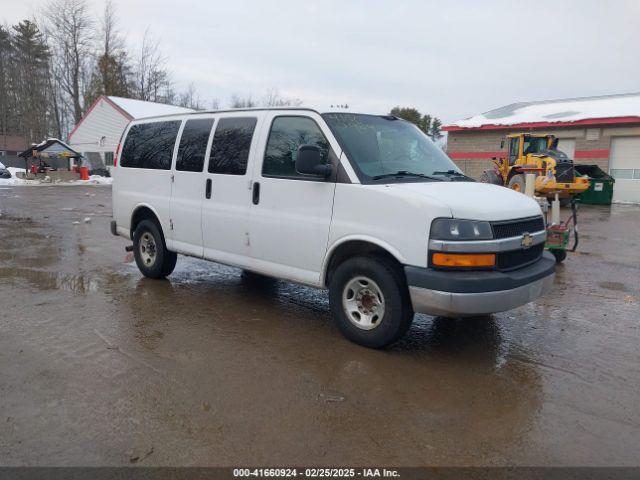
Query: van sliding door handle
[[207, 190], [256, 193]]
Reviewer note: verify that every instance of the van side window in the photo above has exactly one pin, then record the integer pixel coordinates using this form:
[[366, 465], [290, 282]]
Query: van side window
[[231, 145], [150, 145], [287, 134], [193, 143]]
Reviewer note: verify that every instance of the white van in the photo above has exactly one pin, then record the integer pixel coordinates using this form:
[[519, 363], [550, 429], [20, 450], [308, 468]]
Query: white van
[[364, 205]]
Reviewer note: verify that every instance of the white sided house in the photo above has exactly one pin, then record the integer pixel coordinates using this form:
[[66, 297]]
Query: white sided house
[[97, 134]]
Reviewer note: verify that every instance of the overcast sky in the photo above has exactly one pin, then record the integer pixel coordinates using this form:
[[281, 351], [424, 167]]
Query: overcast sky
[[450, 59]]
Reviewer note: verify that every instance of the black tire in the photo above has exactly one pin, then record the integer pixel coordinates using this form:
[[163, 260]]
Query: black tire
[[560, 255], [388, 281], [517, 183], [490, 176], [155, 262]]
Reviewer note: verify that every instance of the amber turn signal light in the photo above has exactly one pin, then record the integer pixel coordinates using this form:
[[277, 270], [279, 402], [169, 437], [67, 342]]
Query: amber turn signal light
[[463, 260]]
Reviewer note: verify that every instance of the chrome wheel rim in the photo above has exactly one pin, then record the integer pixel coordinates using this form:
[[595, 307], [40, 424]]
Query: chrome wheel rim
[[147, 249], [363, 302]]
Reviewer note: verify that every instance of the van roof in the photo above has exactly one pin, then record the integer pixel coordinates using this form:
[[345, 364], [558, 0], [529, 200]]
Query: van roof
[[230, 110]]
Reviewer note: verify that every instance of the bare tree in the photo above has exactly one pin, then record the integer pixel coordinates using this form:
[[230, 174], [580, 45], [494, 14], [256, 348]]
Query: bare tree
[[60, 105], [273, 99], [215, 104], [110, 37], [151, 78], [69, 29], [57, 106], [170, 96], [113, 63], [111, 73], [190, 98], [238, 101]]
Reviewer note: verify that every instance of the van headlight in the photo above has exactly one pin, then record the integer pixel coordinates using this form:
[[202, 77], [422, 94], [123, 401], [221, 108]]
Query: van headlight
[[454, 229]]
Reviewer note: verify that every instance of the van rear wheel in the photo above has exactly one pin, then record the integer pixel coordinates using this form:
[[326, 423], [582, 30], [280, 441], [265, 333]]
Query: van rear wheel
[[151, 254], [370, 302]]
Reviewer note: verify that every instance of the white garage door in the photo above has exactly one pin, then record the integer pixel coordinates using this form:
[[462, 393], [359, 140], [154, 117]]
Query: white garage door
[[568, 146], [624, 166]]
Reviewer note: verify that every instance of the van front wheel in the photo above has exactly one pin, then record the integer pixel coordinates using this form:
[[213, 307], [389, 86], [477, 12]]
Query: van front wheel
[[369, 301], [151, 254]]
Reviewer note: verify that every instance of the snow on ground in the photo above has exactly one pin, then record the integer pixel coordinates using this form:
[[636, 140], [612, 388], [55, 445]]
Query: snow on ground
[[14, 180], [567, 110], [96, 180]]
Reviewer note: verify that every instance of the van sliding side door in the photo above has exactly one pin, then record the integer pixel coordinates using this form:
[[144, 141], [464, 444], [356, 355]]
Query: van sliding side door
[[227, 184]]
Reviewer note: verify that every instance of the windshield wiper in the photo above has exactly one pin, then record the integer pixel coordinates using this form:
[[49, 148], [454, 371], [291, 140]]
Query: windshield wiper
[[404, 173], [452, 173]]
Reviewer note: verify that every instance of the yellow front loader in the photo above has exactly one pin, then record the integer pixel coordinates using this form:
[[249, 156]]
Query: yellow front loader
[[537, 154]]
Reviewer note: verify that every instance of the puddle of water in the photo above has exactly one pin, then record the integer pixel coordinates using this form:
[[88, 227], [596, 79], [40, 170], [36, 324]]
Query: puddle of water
[[13, 218], [52, 280]]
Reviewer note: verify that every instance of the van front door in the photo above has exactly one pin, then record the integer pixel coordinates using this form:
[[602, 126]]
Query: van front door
[[225, 209], [188, 187], [291, 212]]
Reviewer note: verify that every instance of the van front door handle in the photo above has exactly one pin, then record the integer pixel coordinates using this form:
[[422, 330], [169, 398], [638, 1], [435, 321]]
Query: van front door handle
[[207, 190], [256, 193]]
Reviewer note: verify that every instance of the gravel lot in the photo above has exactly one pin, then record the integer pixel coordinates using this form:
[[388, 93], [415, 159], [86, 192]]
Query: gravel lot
[[99, 366]]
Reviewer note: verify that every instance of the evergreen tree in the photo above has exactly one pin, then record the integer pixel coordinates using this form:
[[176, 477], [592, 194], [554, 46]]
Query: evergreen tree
[[5, 79], [407, 113], [111, 76], [428, 124], [30, 67], [435, 131], [425, 124]]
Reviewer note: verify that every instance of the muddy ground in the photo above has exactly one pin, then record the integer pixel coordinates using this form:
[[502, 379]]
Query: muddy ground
[[99, 366]]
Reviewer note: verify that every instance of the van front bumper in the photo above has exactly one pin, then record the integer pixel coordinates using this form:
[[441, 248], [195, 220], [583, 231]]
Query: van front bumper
[[460, 294]]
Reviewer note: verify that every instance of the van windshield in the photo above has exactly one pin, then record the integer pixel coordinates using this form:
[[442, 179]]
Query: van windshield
[[381, 147]]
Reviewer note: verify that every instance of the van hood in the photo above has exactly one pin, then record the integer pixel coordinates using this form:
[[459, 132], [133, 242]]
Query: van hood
[[474, 201]]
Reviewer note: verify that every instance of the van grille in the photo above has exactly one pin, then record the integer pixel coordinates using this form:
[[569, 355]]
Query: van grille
[[516, 228], [519, 258]]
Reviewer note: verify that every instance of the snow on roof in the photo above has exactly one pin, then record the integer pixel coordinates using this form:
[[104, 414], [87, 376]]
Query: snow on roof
[[46, 144], [558, 111], [141, 109], [49, 140]]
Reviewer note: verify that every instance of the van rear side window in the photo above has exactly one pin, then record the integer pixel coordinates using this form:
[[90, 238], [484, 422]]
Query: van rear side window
[[193, 145], [231, 144], [150, 145]]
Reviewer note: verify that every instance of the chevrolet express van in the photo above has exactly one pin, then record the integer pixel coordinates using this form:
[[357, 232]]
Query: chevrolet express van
[[364, 205]]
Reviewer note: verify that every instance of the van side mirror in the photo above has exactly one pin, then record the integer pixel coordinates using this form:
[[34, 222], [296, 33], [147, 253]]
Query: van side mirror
[[501, 144], [309, 161]]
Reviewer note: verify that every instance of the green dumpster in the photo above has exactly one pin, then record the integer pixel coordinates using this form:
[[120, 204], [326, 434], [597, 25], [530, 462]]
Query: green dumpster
[[600, 189]]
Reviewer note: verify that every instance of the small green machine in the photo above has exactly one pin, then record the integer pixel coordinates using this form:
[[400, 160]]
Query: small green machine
[[559, 233]]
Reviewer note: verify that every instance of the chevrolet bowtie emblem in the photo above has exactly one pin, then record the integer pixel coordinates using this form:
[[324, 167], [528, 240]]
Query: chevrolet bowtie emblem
[[527, 240]]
